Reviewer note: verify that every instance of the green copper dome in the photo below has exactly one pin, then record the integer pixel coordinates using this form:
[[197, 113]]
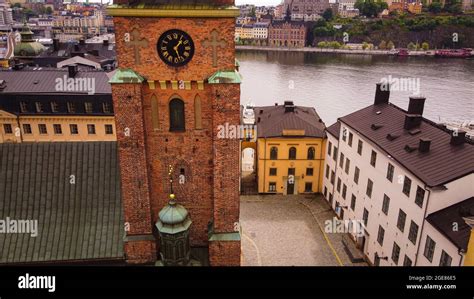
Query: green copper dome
[[29, 49], [173, 218], [28, 46]]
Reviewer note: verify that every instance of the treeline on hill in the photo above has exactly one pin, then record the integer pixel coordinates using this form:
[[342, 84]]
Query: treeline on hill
[[403, 31]]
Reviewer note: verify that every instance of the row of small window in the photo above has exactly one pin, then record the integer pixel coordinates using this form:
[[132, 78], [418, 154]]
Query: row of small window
[[291, 171], [311, 154], [57, 128], [428, 252], [412, 235], [308, 187], [71, 107], [420, 192]]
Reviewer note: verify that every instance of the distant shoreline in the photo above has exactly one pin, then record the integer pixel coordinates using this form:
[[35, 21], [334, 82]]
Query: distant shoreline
[[321, 50]]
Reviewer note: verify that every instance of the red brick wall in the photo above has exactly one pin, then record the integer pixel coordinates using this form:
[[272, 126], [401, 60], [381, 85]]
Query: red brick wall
[[132, 159], [191, 150], [140, 252], [224, 253]]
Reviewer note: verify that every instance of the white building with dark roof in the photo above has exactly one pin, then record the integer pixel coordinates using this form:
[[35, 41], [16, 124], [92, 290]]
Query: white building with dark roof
[[393, 169]]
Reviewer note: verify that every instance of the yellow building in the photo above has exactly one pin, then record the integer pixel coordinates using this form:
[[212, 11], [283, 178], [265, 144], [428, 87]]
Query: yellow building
[[56, 128], [290, 143], [469, 258], [55, 105]]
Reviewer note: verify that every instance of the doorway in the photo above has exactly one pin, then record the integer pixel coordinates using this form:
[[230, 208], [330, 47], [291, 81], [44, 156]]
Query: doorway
[[290, 188]]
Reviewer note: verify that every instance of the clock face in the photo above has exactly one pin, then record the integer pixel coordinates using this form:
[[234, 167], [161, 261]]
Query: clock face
[[175, 47]]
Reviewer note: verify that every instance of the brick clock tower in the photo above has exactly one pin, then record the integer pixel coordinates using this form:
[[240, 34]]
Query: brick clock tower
[[177, 82]]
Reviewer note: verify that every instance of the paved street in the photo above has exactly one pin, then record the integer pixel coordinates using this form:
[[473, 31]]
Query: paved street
[[284, 231]]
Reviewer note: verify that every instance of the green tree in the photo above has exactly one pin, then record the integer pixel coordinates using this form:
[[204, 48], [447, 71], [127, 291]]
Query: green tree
[[252, 13], [411, 46], [383, 45], [323, 31], [425, 46], [453, 6], [335, 45], [328, 14], [49, 10], [322, 44], [370, 8], [365, 46], [390, 45], [435, 7]]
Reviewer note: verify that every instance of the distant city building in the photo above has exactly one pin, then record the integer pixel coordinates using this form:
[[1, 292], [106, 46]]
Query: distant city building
[[406, 178], [467, 5], [260, 31], [6, 13], [307, 10], [287, 34], [346, 9]]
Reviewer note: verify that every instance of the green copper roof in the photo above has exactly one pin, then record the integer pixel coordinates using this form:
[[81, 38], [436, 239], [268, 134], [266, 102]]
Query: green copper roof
[[29, 49], [222, 77], [123, 76], [173, 219], [225, 237]]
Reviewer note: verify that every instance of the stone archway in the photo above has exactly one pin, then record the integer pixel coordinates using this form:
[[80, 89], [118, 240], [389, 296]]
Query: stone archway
[[248, 169]]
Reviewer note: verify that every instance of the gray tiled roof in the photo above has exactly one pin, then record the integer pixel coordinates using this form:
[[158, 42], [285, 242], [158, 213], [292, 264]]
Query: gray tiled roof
[[443, 221], [442, 164], [44, 81], [274, 120], [334, 129], [81, 221]]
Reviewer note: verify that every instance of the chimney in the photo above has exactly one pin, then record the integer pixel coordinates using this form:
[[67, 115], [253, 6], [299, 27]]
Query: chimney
[[416, 105], [412, 121], [72, 70], [382, 93], [56, 44], [424, 146], [458, 137], [82, 42], [105, 42], [289, 106]]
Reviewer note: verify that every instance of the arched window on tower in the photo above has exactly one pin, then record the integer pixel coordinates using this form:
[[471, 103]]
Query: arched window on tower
[[311, 153], [177, 121], [273, 153], [154, 113], [197, 113], [292, 153]]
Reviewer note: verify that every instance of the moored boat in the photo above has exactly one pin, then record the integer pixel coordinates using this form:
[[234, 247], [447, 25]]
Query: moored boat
[[454, 53]]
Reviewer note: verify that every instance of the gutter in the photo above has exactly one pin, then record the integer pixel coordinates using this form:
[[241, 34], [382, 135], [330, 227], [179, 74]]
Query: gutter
[[423, 223]]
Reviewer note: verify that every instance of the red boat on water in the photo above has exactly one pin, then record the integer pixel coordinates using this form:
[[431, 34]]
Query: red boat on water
[[403, 52], [454, 53]]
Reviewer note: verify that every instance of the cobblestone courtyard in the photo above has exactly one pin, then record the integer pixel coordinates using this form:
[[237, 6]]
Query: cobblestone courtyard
[[288, 231]]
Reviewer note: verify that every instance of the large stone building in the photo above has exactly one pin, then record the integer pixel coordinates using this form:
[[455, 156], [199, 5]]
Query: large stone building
[[289, 149], [55, 105], [287, 34], [306, 9], [176, 84], [408, 181]]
